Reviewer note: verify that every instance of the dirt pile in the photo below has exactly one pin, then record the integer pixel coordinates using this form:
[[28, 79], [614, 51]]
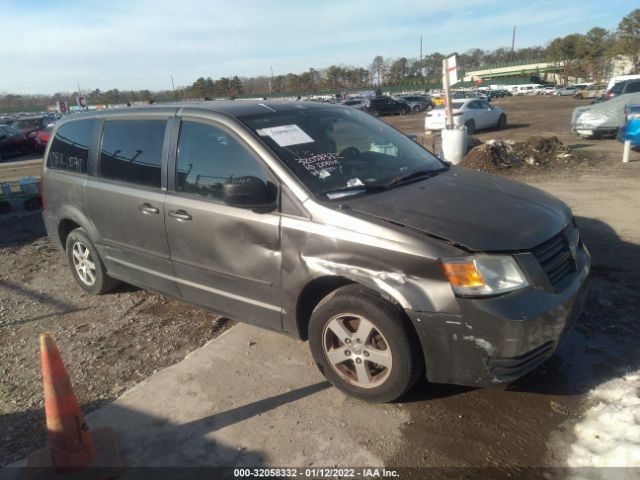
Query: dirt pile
[[492, 156], [539, 152]]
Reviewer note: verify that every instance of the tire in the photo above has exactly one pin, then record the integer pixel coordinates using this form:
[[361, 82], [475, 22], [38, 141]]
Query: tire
[[348, 311], [405, 110], [502, 122], [5, 207], [416, 109], [579, 97], [471, 127], [31, 204], [83, 257], [375, 113]]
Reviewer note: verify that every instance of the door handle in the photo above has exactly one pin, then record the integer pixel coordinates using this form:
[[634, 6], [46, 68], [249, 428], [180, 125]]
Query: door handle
[[180, 215], [148, 209]]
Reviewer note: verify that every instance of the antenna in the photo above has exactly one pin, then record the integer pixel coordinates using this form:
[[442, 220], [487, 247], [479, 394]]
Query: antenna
[[513, 41]]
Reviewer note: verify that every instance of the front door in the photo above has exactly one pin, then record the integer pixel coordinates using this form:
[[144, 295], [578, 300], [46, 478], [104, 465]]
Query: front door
[[225, 258]]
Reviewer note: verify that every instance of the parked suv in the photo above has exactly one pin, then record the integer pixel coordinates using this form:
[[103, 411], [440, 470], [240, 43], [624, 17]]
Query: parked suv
[[384, 105], [591, 92], [417, 103], [324, 223], [622, 88]]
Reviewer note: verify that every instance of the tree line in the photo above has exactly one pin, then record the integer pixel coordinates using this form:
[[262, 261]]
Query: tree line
[[578, 55]]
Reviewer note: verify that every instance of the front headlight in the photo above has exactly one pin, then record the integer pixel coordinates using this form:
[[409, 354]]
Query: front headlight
[[483, 275], [591, 118]]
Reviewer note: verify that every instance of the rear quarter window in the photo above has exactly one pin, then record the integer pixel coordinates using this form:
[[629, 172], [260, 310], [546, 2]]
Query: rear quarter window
[[69, 149]]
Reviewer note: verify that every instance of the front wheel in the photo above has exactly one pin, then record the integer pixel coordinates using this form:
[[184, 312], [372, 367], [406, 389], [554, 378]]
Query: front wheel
[[86, 265], [364, 345], [471, 127], [502, 122]]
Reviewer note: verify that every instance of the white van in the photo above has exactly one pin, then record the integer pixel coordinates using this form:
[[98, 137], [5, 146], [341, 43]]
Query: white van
[[526, 89], [620, 78]]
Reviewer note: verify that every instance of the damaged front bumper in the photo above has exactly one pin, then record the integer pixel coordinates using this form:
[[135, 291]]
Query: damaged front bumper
[[497, 340]]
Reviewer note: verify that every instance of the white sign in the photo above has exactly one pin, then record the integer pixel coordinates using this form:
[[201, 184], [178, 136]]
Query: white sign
[[453, 70], [286, 135], [82, 102]]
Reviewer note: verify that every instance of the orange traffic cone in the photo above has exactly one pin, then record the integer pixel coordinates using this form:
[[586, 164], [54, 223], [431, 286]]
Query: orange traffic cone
[[70, 446]]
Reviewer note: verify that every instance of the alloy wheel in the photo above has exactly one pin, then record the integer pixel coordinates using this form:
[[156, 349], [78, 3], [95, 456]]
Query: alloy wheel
[[357, 350], [83, 263]]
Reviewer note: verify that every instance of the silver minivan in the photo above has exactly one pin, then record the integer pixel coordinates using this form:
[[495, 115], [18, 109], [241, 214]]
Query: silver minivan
[[321, 222]]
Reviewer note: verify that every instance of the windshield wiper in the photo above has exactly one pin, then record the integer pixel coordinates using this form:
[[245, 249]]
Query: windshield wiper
[[416, 174], [353, 190]]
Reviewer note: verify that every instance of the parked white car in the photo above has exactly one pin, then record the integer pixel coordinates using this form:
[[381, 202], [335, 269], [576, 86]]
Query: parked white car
[[472, 113]]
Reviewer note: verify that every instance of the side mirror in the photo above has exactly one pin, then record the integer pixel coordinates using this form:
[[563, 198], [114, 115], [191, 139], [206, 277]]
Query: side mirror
[[246, 192]]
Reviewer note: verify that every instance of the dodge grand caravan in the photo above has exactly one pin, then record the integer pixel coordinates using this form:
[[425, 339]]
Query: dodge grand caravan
[[322, 222]]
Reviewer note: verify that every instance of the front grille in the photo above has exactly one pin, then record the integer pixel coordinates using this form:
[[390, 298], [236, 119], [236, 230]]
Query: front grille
[[518, 366], [555, 256]]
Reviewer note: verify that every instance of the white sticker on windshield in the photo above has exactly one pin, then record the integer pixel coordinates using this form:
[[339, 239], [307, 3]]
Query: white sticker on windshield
[[286, 135]]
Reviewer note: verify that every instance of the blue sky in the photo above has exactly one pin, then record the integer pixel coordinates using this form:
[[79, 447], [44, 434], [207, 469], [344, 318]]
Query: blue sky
[[49, 46]]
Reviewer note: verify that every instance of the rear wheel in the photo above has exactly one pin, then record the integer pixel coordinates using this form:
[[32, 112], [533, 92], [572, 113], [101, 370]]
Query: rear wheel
[[363, 345], [86, 265], [471, 126], [416, 109]]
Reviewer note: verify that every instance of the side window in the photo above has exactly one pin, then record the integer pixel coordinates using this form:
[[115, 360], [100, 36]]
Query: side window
[[70, 147], [132, 151], [617, 88], [633, 87], [208, 157]]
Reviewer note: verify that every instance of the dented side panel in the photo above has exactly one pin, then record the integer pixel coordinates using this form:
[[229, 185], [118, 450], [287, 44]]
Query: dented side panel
[[396, 265]]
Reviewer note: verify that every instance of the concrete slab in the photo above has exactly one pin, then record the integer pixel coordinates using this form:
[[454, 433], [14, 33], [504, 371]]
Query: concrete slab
[[248, 398]]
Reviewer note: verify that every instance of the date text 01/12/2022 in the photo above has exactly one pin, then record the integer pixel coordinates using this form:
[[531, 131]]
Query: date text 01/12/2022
[[315, 473]]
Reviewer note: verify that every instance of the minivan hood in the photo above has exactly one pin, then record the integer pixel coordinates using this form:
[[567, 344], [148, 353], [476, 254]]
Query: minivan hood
[[478, 211]]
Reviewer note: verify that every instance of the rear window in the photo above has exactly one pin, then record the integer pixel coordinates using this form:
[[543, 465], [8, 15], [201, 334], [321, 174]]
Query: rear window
[[455, 105], [70, 147], [132, 151]]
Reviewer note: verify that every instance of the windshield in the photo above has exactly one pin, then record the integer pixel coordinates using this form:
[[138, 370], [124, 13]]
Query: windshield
[[340, 151], [455, 105]]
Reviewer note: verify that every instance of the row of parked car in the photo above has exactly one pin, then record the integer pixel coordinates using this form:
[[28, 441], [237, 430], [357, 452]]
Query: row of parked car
[[24, 135], [396, 105]]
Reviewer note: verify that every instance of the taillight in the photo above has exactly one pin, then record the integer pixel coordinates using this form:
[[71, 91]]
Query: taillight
[[42, 191]]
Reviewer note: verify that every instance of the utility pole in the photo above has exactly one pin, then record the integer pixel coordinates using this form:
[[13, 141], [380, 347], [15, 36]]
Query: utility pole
[[421, 56], [271, 81], [513, 41], [79, 92], [173, 88]]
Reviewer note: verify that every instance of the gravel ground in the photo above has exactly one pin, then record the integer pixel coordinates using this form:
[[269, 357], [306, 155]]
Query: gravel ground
[[108, 343]]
